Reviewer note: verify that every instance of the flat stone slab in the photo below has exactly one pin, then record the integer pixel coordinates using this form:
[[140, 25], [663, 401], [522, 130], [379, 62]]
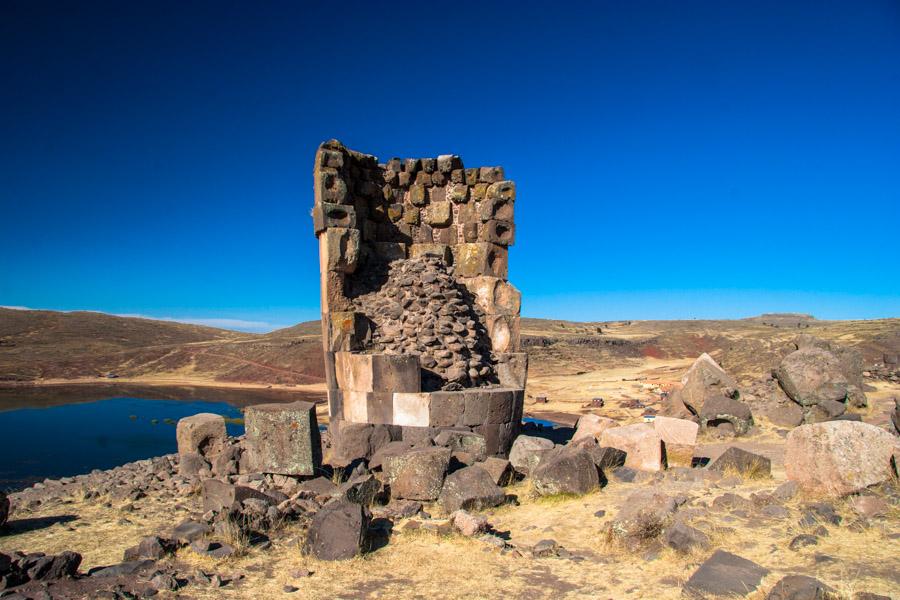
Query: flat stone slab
[[724, 575]]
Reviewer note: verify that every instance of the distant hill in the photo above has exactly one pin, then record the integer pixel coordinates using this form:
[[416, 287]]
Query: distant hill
[[40, 345]]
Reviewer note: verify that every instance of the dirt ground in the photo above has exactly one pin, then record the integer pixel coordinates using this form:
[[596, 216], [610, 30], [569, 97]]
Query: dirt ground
[[419, 564]]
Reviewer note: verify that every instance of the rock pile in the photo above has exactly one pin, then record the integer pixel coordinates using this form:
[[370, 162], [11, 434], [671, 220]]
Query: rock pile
[[422, 310]]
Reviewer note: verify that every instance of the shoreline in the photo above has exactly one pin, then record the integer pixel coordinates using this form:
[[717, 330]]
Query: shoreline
[[164, 382]]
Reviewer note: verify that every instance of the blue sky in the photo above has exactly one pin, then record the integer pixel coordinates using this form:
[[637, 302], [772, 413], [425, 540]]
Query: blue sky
[[673, 159]]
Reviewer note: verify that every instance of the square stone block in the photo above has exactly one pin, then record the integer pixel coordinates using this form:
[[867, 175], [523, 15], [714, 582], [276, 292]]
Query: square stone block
[[412, 409], [495, 296], [203, 434], [349, 330], [283, 438], [497, 209], [481, 258], [500, 406], [502, 190], [335, 404], [476, 408], [504, 332], [439, 214], [377, 372], [498, 437], [447, 408], [679, 455], [327, 215], [330, 187], [490, 174], [499, 232], [640, 442], [512, 370], [376, 408], [441, 251], [339, 249], [334, 297]]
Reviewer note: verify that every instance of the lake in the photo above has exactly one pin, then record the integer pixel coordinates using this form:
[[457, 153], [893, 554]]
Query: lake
[[68, 430]]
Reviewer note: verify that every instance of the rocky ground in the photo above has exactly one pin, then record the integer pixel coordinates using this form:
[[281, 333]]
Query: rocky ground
[[575, 512]]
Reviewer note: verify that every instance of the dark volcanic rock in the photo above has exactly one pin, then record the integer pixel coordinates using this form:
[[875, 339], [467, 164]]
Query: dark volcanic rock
[[724, 574], [339, 531], [801, 587], [471, 488], [743, 462], [565, 470]]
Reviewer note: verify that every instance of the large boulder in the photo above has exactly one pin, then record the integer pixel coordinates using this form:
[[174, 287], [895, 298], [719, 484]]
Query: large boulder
[[417, 474], [641, 444], [679, 437], [352, 441], [526, 452], [339, 531], [471, 488], [724, 575], [801, 587], [740, 461], [591, 425], [4, 509], [839, 457], [724, 415], [850, 361], [203, 434], [643, 517], [811, 375], [705, 379], [283, 438], [565, 470]]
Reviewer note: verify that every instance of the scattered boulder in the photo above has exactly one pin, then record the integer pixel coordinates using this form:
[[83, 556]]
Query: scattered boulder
[[417, 474], [203, 434], [338, 531], [643, 517], [500, 470], [705, 379], [724, 575], [604, 457], [641, 444], [151, 547], [565, 470], [801, 587], [352, 441], [192, 464], [591, 425], [470, 488], [869, 507], [813, 375], [189, 531], [839, 457], [850, 361], [526, 452], [40, 567], [746, 463], [218, 495], [318, 486], [679, 437], [684, 538], [468, 524], [802, 541], [726, 415]]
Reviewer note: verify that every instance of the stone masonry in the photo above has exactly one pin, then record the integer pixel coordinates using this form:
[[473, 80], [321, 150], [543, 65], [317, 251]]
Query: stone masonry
[[420, 325]]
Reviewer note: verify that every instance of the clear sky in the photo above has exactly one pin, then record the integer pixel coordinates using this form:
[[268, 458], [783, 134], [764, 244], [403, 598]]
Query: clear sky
[[673, 159]]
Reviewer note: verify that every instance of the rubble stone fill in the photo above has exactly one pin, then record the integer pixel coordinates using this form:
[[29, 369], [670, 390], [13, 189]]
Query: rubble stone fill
[[421, 309]]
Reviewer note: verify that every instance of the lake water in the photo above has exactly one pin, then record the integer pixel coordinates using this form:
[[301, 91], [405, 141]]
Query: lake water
[[73, 429]]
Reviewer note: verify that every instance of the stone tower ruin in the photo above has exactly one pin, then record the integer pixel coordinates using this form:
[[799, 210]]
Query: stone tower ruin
[[420, 326]]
